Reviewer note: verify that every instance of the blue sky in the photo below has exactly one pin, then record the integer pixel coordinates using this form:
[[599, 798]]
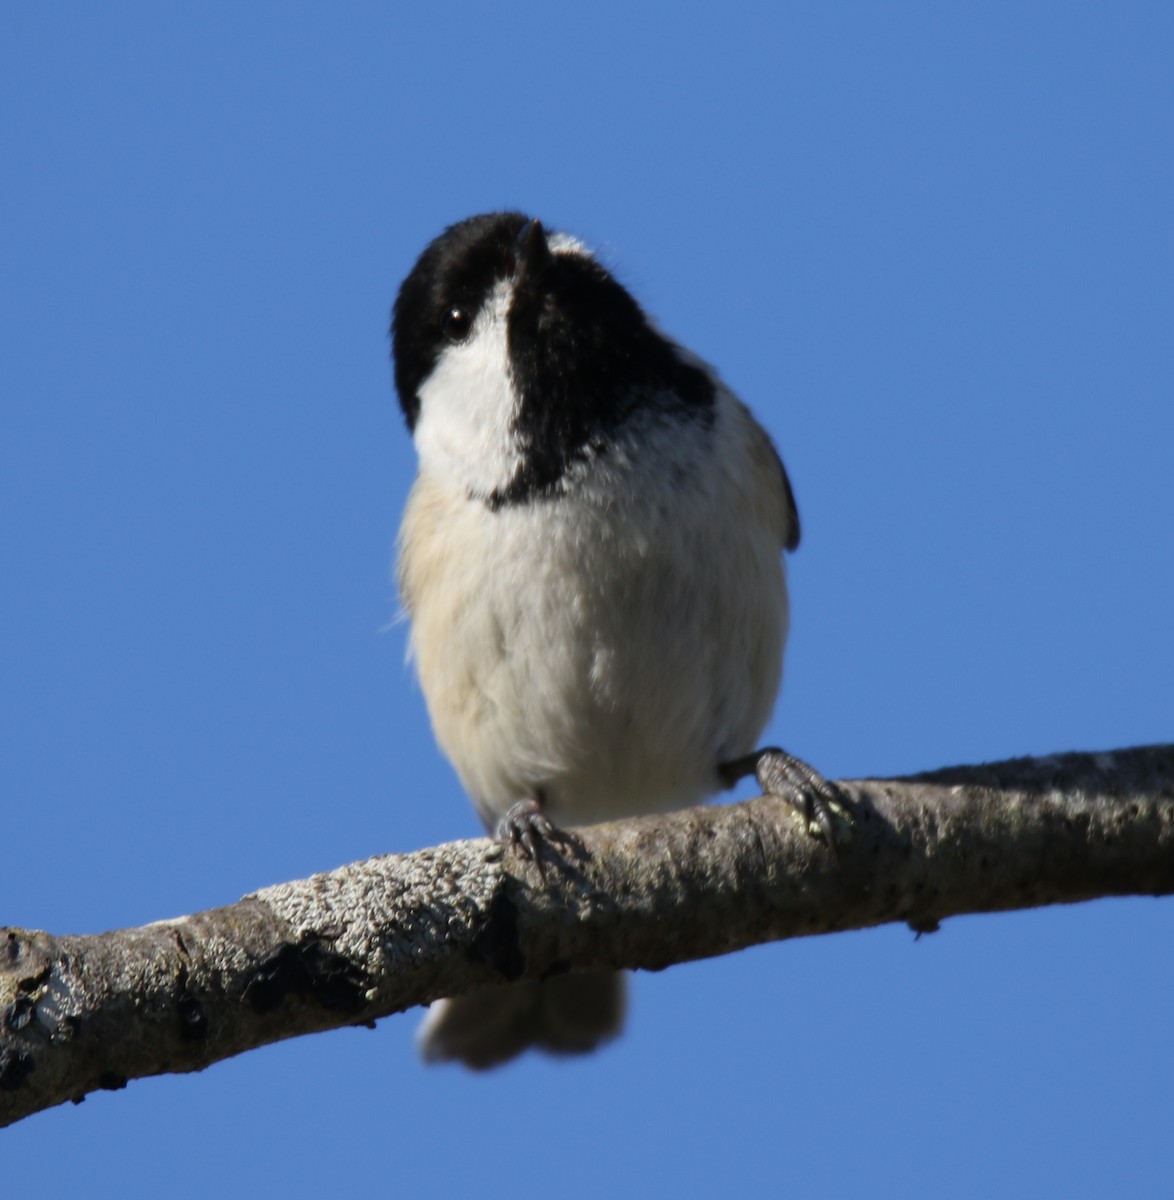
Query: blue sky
[[931, 245]]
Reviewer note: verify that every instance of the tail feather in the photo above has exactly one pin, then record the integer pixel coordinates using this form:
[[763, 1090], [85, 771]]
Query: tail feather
[[566, 1014]]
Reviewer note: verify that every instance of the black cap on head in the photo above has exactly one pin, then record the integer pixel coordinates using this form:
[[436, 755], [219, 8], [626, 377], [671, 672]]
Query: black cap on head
[[583, 357], [457, 270]]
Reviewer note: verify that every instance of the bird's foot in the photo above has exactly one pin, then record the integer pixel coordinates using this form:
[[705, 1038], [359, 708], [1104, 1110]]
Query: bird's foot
[[529, 831], [816, 801]]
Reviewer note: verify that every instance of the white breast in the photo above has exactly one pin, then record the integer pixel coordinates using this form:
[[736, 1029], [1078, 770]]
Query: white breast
[[610, 646]]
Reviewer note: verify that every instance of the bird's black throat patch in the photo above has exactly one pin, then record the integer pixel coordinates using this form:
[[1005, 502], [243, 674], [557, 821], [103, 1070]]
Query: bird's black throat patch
[[585, 359]]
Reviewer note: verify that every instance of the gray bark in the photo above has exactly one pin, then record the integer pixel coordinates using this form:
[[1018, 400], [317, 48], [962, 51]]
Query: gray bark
[[78, 1013]]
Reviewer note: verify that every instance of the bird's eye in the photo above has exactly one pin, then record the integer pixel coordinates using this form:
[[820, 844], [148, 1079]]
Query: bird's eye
[[457, 323]]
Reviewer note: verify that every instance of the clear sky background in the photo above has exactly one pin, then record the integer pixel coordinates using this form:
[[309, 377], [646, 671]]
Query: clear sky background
[[931, 245]]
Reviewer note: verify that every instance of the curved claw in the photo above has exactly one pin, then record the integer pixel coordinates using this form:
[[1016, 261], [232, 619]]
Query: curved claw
[[823, 817], [802, 786], [528, 829]]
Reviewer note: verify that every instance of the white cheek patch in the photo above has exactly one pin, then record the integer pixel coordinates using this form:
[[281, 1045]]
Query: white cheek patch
[[468, 405]]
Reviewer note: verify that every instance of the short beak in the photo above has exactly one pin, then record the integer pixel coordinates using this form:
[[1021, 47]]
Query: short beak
[[533, 252]]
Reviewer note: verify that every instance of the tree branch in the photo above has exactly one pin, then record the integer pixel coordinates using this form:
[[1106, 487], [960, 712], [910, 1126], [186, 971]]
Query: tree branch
[[78, 1013]]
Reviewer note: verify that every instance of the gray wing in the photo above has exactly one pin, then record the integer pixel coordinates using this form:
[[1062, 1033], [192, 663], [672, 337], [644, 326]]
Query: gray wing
[[792, 541], [770, 483]]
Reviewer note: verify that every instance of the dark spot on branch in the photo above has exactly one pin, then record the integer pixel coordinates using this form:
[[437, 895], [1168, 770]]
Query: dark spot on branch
[[15, 1067], [32, 983], [24, 956], [308, 970], [19, 1014], [496, 942], [111, 1081], [193, 1025]]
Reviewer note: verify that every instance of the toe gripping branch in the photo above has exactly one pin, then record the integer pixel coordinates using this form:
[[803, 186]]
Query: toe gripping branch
[[791, 779], [527, 829]]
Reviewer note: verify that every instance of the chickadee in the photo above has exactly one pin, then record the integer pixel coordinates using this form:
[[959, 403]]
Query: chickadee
[[591, 560]]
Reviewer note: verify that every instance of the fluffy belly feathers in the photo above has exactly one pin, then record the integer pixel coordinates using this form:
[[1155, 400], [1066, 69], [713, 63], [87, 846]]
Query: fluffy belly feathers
[[594, 661]]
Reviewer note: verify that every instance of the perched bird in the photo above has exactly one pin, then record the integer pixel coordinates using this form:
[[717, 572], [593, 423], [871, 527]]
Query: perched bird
[[591, 560]]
